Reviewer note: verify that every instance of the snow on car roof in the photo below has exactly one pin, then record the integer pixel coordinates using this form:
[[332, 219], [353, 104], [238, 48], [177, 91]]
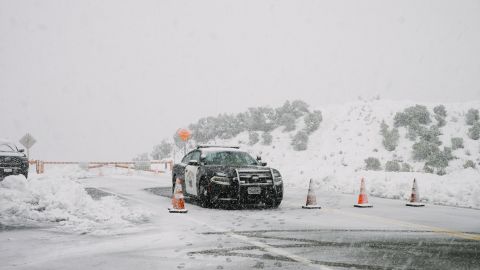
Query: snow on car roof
[[220, 149]]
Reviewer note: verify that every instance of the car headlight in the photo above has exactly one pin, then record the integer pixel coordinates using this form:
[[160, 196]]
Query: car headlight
[[277, 177], [221, 179]]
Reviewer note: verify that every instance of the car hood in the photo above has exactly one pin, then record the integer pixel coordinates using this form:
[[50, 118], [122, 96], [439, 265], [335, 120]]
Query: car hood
[[11, 154]]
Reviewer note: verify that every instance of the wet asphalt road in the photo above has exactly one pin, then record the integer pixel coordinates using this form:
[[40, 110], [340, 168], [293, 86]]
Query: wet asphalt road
[[343, 248]]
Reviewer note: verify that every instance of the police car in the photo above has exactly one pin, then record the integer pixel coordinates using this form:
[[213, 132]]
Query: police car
[[220, 174]]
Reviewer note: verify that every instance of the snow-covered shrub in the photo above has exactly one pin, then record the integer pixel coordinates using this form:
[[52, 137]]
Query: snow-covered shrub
[[440, 120], [261, 119], [424, 149], [440, 159], [392, 166], [372, 164], [288, 121], [253, 138], [415, 114], [440, 110], [428, 169], [267, 138], [457, 143], [406, 167], [431, 135], [474, 131], [472, 117], [203, 131], [312, 121], [162, 150], [441, 171], [469, 164], [299, 108], [414, 130], [300, 141], [226, 126], [390, 137], [242, 121]]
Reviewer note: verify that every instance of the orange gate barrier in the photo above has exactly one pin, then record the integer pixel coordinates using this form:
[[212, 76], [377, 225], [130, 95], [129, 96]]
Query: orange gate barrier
[[40, 165]]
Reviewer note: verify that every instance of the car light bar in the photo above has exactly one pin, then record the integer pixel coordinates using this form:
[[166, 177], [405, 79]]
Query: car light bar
[[217, 146]]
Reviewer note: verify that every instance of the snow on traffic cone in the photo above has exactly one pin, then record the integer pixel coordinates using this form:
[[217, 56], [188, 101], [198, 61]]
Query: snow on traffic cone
[[178, 201], [415, 197], [311, 198], [362, 197]]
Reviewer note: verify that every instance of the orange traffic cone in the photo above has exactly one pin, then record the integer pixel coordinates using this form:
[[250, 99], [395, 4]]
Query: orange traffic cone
[[415, 197], [362, 198], [311, 198], [178, 201]]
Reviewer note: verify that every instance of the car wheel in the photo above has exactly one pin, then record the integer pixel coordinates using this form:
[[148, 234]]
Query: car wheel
[[173, 183], [274, 203], [204, 195]]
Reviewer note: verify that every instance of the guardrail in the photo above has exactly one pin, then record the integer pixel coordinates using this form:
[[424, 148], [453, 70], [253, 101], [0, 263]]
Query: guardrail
[[40, 165]]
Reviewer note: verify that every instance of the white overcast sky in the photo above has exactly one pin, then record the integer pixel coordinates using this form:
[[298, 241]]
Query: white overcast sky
[[108, 79]]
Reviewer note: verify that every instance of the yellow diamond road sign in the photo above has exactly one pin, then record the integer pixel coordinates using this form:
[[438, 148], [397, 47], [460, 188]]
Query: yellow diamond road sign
[[28, 141]]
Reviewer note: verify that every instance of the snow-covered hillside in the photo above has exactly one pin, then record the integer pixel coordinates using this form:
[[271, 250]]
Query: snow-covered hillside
[[350, 133]]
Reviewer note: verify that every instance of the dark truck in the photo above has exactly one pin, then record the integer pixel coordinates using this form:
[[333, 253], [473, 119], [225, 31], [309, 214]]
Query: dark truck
[[13, 161], [219, 174]]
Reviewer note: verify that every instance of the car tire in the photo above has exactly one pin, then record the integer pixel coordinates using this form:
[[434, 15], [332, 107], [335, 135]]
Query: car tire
[[274, 203], [204, 195], [173, 183]]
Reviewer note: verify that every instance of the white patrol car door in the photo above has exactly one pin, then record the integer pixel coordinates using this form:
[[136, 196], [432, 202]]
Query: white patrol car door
[[191, 175]]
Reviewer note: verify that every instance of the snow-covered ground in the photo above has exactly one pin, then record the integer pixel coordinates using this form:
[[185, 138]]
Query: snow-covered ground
[[350, 133], [57, 198]]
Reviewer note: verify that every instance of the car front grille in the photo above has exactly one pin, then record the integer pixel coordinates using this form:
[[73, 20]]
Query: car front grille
[[10, 161], [255, 176]]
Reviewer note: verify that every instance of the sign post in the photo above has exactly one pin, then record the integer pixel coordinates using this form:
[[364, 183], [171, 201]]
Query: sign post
[[28, 141], [184, 135]]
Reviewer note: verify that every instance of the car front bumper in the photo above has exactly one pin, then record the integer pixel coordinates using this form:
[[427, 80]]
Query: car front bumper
[[246, 194], [7, 171]]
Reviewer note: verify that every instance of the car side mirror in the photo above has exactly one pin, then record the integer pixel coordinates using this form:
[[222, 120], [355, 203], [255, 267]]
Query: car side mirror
[[263, 164], [193, 162], [21, 150]]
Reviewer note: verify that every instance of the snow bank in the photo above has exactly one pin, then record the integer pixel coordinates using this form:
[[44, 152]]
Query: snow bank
[[460, 188], [46, 200]]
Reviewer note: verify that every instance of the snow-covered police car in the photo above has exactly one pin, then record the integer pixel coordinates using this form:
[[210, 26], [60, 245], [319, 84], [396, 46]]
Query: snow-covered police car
[[216, 174]]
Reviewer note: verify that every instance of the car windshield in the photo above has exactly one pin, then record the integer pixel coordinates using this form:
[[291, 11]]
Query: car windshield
[[229, 158], [7, 148]]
